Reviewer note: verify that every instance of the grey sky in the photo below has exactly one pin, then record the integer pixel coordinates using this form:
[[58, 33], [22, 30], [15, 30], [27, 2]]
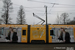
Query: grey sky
[[38, 8]]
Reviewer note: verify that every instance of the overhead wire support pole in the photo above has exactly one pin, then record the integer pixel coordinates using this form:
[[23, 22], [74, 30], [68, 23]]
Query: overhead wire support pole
[[46, 13], [47, 41]]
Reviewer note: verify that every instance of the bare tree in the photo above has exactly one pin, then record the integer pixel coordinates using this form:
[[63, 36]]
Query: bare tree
[[21, 16], [0, 21], [7, 8], [72, 21], [58, 20], [64, 18]]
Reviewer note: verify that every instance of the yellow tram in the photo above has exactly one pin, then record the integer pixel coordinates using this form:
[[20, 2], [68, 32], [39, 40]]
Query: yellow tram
[[37, 33]]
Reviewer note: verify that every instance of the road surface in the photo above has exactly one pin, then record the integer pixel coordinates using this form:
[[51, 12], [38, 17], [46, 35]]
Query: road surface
[[6, 46]]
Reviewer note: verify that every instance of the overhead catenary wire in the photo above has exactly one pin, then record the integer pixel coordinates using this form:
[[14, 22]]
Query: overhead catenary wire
[[38, 7], [35, 7], [52, 6], [43, 2], [52, 3]]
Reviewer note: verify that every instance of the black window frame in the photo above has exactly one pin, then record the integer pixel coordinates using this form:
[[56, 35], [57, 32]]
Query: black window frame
[[23, 32], [52, 33]]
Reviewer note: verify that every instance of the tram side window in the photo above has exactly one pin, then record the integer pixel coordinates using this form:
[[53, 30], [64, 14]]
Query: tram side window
[[0, 31], [24, 32], [52, 32]]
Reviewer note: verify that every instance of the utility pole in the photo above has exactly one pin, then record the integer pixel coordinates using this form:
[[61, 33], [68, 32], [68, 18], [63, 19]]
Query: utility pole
[[46, 25], [46, 13]]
